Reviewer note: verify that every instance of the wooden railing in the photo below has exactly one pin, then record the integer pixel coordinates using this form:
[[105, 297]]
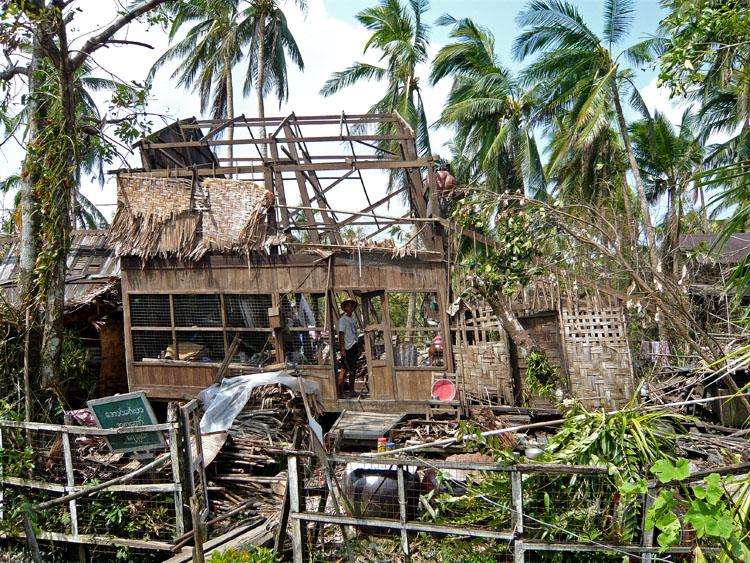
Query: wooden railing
[[530, 508]]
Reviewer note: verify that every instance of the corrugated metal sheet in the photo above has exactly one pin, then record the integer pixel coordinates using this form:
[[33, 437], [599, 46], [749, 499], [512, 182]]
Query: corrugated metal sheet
[[736, 248], [93, 268]]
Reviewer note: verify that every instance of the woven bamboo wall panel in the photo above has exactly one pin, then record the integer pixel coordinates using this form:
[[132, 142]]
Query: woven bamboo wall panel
[[545, 331], [485, 368], [594, 326], [599, 364], [237, 209]]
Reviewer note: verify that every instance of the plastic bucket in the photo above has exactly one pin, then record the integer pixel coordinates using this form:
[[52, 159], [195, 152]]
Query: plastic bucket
[[444, 390]]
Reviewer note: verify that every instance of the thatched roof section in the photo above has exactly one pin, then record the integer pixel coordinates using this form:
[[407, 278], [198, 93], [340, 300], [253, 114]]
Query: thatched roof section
[[172, 217]]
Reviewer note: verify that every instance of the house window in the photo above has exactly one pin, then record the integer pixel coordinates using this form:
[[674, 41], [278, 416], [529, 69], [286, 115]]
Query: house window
[[150, 310], [373, 319], [415, 328], [306, 341], [247, 311], [200, 327], [151, 344], [197, 310]]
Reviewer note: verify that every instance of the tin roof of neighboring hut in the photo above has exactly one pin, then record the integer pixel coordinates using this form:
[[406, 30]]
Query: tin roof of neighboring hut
[[733, 251], [93, 268]]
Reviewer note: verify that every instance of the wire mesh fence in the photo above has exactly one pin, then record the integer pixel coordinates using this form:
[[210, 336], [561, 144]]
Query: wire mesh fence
[[49, 461], [439, 511], [142, 507]]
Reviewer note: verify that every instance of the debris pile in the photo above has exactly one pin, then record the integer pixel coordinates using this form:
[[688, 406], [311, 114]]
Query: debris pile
[[249, 470]]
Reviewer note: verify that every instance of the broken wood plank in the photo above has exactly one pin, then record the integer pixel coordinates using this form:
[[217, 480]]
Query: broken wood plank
[[250, 533]]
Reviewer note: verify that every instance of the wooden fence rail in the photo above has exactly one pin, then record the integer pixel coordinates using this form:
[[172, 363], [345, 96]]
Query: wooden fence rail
[[520, 525], [184, 479]]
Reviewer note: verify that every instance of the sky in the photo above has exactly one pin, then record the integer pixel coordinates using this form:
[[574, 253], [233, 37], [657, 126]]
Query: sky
[[330, 39]]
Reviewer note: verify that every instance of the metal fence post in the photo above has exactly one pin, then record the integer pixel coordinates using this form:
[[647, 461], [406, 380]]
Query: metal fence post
[[402, 511], [516, 495]]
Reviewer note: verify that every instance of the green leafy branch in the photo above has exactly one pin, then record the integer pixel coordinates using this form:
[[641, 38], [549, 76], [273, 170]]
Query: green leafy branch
[[717, 511]]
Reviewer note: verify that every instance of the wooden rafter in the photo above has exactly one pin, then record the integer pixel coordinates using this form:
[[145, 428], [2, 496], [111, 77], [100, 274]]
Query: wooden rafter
[[325, 157]]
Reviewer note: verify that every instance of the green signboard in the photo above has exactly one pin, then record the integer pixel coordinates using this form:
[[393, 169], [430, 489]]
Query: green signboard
[[126, 411]]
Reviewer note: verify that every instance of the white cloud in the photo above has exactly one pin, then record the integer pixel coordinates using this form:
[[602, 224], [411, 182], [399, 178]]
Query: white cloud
[[657, 99]]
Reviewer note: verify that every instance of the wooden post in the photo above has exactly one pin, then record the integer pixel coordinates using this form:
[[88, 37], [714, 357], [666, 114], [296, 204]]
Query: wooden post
[[195, 512], [2, 476], [179, 504], [402, 511], [188, 471], [28, 527], [201, 458], [647, 536], [278, 542], [294, 485], [70, 479], [516, 494]]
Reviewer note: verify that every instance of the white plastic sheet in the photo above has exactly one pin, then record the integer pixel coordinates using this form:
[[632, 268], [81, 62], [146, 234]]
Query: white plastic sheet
[[225, 401]]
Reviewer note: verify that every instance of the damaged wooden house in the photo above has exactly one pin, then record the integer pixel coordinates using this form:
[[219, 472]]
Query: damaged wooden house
[[246, 260]]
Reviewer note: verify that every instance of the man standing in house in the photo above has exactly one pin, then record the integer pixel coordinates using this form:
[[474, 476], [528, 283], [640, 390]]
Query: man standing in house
[[348, 344]]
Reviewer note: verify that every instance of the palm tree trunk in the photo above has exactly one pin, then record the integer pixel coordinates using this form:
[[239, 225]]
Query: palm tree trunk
[[31, 226], [676, 263], [260, 40], [30, 212], [625, 189], [669, 226], [704, 212], [230, 108], [653, 253], [647, 225], [60, 211]]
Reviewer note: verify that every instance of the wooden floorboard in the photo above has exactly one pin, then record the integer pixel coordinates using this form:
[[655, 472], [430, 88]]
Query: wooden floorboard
[[359, 425]]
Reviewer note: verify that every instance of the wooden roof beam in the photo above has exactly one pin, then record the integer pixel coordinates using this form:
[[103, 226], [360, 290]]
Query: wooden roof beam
[[344, 165]]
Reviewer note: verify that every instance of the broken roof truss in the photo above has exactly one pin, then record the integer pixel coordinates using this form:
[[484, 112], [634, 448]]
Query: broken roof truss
[[327, 173]]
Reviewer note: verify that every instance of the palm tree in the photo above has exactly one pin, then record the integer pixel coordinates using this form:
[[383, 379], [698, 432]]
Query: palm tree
[[272, 41], [489, 110], [592, 170], [670, 159], [84, 212], [93, 153], [209, 52], [582, 77], [400, 34]]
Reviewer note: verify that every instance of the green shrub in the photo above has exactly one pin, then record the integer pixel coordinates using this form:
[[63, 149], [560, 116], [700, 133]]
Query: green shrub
[[254, 555]]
